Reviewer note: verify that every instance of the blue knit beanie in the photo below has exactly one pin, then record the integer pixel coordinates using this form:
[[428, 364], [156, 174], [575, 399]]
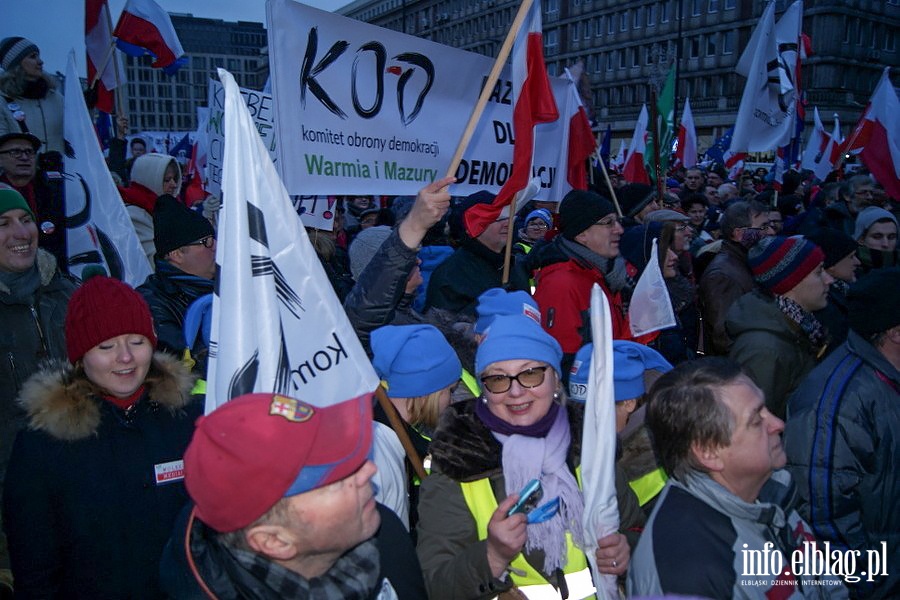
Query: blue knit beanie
[[497, 301], [540, 213], [630, 360], [415, 360], [516, 337]]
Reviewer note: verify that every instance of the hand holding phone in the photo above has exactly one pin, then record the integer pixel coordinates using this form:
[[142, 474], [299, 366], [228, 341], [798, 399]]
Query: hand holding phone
[[528, 498]]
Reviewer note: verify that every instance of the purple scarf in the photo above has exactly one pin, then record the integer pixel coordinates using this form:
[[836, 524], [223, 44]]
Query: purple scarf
[[521, 449]]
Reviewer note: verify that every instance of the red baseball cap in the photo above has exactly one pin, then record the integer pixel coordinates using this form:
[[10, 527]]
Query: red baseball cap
[[258, 448]]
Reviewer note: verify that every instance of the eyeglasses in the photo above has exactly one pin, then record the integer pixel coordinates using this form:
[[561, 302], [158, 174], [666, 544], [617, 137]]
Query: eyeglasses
[[538, 225], [206, 242], [611, 221], [529, 378], [19, 152]]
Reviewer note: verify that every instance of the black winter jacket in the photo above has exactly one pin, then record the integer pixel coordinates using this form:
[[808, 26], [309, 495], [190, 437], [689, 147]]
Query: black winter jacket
[[169, 292], [92, 491], [29, 335]]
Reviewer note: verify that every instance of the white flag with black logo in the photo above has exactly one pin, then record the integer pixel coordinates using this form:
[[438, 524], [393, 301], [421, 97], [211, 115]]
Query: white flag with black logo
[[277, 323], [99, 231], [650, 308]]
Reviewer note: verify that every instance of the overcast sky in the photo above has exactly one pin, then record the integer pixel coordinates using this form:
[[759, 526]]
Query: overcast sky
[[57, 26]]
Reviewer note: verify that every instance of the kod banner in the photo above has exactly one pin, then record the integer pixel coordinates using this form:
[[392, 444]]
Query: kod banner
[[367, 110]]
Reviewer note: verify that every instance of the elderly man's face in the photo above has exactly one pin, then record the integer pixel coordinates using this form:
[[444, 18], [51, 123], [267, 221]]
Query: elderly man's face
[[755, 449], [18, 160], [337, 517]]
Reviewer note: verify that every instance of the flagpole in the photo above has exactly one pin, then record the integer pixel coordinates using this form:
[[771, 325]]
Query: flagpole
[[400, 430], [609, 185], [488, 88], [509, 238], [115, 65], [654, 119], [102, 67]]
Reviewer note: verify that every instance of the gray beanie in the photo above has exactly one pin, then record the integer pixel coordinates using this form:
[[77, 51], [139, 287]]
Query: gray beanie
[[364, 246], [867, 217], [13, 51]]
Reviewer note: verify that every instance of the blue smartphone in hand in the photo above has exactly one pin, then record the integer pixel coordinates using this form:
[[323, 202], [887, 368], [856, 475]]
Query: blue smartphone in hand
[[528, 498]]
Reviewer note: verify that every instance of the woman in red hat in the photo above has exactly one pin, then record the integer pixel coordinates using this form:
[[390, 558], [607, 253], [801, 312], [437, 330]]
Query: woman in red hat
[[95, 481]]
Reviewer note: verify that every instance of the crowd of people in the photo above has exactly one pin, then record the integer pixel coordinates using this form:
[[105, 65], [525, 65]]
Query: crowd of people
[[762, 423]]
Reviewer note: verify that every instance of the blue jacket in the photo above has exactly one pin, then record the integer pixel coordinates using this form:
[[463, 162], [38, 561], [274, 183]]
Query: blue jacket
[[843, 450]]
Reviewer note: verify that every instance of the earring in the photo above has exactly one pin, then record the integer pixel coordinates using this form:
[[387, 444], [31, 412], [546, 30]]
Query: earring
[[483, 400], [556, 396]]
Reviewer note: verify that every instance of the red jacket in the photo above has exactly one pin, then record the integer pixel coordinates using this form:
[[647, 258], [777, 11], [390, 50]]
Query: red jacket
[[564, 296]]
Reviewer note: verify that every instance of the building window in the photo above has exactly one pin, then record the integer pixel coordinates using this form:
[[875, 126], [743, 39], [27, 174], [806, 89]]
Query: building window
[[623, 58], [889, 40], [636, 57], [610, 60], [636, 19], [848, 27], [551, 69], [623, 21], [588, 28], [696, 7], [713, 6], [599, 28], [574, 32], [711, 44], [664, 12], [611, 24], [651, 15], [694, 50], [552, 6], [552, 41], [728, 42]]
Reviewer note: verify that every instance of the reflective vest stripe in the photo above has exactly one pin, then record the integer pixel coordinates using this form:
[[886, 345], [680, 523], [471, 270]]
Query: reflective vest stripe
[[471, 383], [199, 387], [648, 486], [482, 504]]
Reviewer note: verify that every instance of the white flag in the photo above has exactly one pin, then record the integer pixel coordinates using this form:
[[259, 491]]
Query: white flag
[[277, 323], [650, 308], [765, 118], [598, 444], [99, 230]]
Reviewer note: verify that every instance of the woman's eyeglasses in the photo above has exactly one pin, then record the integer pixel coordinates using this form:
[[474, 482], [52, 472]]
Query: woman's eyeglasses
[[529, 378]]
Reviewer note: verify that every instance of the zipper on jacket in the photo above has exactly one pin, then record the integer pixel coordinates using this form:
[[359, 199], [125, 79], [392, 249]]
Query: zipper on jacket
[[11, 359], [45, 351]]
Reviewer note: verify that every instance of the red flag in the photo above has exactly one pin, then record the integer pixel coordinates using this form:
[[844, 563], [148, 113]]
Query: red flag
[[194, 192], [634, 171], [98, 42], [582, 142], [877, 136], [533, 104]]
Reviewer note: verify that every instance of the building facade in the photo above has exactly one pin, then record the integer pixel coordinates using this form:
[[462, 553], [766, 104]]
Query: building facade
[[158, 102], [627, 47]]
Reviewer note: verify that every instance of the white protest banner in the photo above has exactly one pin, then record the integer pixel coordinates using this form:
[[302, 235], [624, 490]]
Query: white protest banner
[[262, 111], [99, 230], [277, 324], [368, 110]]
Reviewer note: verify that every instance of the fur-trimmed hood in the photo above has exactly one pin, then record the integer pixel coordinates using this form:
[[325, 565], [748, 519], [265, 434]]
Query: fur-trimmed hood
[[46, 264], [60, 404], [464, 449]]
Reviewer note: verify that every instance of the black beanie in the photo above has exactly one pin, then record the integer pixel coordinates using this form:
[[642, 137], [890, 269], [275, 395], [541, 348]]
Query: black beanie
[[633, 197], [874, 302], [175, 225], [836, 245], [579, 210]]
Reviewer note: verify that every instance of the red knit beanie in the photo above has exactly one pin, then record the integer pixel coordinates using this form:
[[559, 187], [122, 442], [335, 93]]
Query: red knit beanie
[[103, 308]]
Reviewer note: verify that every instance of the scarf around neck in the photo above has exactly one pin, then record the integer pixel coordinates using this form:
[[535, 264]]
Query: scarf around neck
[[613, 269], [525, 458], [22, 286], [811, 327]]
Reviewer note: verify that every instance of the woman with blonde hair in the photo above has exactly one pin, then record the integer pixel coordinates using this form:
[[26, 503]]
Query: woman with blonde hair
[[419, 370]]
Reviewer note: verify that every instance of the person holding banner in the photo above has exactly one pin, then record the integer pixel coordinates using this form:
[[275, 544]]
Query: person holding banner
[[95, 483], [471, 543]]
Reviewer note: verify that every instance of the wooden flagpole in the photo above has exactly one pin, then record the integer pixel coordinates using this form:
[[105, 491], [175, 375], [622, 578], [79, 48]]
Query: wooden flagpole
[[509, 238], [102, 67], [400, 429], [488, 88], [609, 186]]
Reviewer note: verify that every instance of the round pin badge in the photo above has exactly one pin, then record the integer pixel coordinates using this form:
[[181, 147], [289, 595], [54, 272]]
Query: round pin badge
[[47, 228]]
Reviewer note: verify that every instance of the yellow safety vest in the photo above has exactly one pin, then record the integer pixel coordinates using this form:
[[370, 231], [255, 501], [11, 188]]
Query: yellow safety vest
[[482, 504], [648, 486]]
